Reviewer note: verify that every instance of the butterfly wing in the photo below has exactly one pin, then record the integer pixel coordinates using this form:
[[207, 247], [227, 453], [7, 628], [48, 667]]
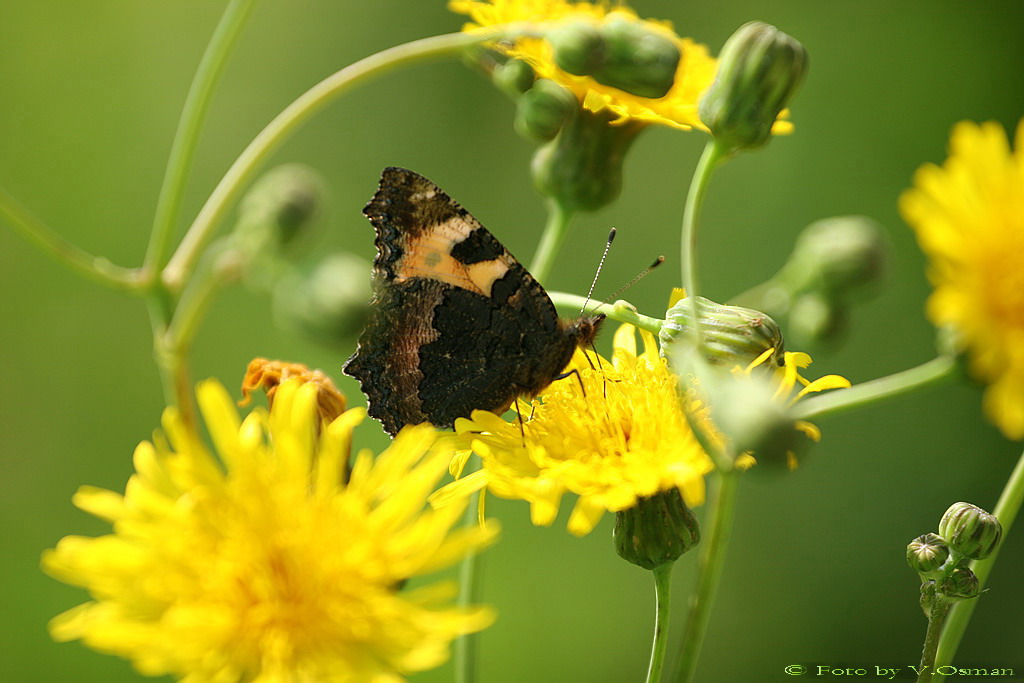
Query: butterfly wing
[[457, 323]]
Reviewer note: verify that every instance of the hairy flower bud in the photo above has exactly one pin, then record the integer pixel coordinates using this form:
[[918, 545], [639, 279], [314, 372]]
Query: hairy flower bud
[[543, 110], [280, 205], [513, 77], [959, 584], [836, 256], [759, 70], [578, 47], [730, 335], [927, 553], [970, 531], [581, 169], [637, 58], [655, 531]]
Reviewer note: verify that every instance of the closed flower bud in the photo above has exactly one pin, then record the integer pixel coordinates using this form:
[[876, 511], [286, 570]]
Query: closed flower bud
[[578, 47], [581, 169], [836, 256], [927, 553], [970, 531], [329, 304], [730, 335], [814, 319], [655, 531], [514, 77], [959, 584], [638, 58], [543, 110], [279, 206], [758, 71]]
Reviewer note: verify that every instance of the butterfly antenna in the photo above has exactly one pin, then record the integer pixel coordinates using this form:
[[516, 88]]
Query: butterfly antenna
[[640, 276], [600, 265]]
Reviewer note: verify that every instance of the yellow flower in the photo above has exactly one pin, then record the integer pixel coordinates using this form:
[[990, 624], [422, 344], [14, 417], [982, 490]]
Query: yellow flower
[[969, 218], [262, 564], [622, 437], [678, 108]]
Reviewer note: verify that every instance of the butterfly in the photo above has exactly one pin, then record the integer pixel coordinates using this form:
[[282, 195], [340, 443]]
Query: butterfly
[[456, 323]]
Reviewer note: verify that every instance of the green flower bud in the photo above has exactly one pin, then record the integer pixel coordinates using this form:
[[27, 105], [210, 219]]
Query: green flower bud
[[959, 584], [578, 47], [730, 335], [637, 58], [927, 553], [814, 319], [279, 207], [330, 303], [758, 71], [836, 256], [928, 597], [544, 109], [514, 77], [655, 531], [970, 531], [581, 169]]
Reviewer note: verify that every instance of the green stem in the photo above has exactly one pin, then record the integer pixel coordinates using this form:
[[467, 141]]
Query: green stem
[[662, 596], [95, 268], [559, 218], [709, 160], [880, 389], [709, 573], [466, 647], [289, 120], [1006, 512], [936, 619], [622, 311], [197, 103]]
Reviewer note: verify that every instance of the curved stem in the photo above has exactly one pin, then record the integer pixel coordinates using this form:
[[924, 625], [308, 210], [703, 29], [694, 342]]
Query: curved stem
[[880, 389], [709, 159], [1006, 512], [936, 619], [466, 660], [709, 573], [662, 595], [620, 310], [285, 123], [197, 103], [551, 240], [95, 268]]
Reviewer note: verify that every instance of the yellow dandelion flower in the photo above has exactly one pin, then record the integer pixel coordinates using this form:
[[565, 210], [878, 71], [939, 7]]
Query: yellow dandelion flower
[[615, 434], [262, 563], [678, 108], [969, 218]]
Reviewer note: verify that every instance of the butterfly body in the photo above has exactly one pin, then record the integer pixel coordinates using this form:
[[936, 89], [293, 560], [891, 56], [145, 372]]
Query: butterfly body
[[457, 323]]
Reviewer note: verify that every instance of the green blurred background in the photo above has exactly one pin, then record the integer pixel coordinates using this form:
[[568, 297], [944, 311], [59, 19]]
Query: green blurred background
[[91, 93]]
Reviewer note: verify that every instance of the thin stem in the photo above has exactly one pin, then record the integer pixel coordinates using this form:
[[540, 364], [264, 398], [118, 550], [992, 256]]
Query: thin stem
[[620, 310], [551, 240], [662, 596], [95, 268], [1006, 512], [880, 389], [289, 120], [466, 647], [709, 159], [197, 103], [936, 619], [709, 573]]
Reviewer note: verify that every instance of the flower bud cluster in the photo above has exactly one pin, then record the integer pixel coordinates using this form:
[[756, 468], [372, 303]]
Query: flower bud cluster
[[966, 533]]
